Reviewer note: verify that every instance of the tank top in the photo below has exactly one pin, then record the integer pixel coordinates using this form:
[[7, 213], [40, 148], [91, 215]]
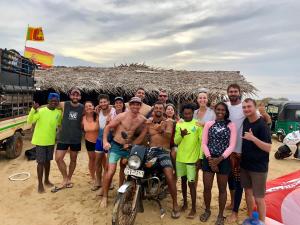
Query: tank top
[[91, 129], [102, 121], [71, 132]]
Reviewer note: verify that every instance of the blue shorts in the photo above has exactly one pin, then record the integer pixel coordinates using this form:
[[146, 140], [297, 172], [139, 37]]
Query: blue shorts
[[99, 146], [116, 152]]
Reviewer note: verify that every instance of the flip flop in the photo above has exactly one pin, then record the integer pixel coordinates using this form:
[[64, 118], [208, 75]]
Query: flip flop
[[175, 214], [70, 185], [220, 220], [191, 217], [56, 189], [205, 216], [96, 187]]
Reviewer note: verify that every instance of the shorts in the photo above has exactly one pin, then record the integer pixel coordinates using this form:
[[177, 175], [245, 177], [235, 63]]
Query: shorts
[[116, 152], [255, 181], [162, 155], [64, 147], [44, 153], [99, 146], [224, 166], [90, 146], [186, 170]]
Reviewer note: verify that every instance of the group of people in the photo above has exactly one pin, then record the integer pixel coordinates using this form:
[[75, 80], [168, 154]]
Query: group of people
[[230, 139]]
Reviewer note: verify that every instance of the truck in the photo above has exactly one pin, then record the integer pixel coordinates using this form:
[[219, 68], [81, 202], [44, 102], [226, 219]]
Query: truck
[[17, 87]]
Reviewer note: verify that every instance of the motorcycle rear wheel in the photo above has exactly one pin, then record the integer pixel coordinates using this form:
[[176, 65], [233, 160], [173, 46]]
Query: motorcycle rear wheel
[[123, 214]]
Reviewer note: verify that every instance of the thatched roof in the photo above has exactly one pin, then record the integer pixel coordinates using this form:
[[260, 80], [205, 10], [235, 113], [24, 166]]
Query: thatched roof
[[125, 79]]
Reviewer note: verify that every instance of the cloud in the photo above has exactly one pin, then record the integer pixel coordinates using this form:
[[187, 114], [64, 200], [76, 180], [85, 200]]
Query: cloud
[[260, 38]]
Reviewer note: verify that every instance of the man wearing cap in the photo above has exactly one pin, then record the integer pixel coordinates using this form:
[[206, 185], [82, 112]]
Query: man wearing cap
[[69, 137], [47, 119], [145, 109], [127, 122]]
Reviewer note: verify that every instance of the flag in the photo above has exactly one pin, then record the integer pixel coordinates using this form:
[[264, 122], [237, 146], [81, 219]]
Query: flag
[[41, 58], [35, 34]]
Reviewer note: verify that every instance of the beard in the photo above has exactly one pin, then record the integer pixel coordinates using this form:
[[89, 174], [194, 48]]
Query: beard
[[234, 98]]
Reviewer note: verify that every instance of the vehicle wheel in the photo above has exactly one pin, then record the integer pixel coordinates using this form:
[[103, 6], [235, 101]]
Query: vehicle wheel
[[14, 146], [123, 214], [280, 137]]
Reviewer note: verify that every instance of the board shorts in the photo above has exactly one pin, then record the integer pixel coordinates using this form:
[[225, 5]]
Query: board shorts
[[162, 155], [186, 170], [99, 143], [224, 166], [44, 153], [116, 152], [90, 146], [65, 147], [254, 180]]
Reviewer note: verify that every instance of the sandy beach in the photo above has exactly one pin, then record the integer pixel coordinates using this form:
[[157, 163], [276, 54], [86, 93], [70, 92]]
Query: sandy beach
[[21, 204]]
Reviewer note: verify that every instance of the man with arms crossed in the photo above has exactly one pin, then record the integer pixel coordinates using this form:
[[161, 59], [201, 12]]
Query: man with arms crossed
[[160, 131], [255, 158], [127, 122], [69, 138]]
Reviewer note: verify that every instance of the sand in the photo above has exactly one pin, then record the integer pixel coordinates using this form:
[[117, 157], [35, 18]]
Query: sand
[[21, 204]]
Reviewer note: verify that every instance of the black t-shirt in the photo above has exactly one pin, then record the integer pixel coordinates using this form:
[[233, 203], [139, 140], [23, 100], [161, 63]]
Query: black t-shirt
[[253, 158]]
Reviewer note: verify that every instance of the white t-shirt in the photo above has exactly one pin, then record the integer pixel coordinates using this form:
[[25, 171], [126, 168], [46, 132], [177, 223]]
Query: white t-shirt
[[208, 116], [237, 117]]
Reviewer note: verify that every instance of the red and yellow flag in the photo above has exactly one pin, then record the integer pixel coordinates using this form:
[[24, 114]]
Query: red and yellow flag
[[35, 34], [42, 58]]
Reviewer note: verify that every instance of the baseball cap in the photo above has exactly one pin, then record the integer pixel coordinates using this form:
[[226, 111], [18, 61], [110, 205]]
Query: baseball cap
[[135, 100], [75, 90], [119, 98]]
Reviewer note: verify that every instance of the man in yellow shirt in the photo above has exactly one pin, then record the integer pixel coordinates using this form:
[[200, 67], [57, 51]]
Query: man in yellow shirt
[[47, 119]]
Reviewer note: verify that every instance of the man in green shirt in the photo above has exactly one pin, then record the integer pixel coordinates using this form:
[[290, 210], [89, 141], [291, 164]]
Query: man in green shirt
[[47, 119], [188, 138]]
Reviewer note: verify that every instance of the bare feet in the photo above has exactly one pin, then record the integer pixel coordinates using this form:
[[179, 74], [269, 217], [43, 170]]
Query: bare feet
[[192, 214], [184, 207], [48, 183], [103, 203], [229, 207], [232, 218], [41, 188]]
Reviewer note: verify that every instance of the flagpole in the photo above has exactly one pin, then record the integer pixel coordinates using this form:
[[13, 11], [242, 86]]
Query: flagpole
[[26, 38]]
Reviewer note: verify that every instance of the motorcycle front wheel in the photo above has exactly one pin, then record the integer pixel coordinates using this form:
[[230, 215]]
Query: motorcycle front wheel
[[123, 212]]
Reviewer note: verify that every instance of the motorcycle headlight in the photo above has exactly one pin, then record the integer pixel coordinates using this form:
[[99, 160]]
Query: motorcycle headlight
[[134, 162]]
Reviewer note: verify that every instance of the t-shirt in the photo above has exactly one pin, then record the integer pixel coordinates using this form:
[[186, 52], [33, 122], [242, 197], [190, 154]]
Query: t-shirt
[[189, 146], [208, 116], [46, 123], [253, 158], [237, 116]]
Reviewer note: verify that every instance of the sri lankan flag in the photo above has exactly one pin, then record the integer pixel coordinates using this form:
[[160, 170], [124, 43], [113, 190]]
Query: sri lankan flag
[[43, 59], [35, 34]]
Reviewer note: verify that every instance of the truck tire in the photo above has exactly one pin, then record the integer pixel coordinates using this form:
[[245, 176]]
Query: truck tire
[[14, 146]]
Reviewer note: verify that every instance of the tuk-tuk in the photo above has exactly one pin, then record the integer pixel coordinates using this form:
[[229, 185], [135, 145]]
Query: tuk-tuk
[[285, 117]]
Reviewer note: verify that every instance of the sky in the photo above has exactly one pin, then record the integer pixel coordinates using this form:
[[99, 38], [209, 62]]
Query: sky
[[260, 38]]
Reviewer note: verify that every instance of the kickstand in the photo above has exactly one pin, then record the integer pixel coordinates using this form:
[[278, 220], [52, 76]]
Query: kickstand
[[162, 211]]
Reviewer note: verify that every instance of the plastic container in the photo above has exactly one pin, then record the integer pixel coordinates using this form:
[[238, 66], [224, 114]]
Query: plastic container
[[254, 220]]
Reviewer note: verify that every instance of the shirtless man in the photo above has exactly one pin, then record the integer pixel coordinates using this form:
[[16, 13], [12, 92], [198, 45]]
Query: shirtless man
[[160, 132], [145, 109], [129, 122]]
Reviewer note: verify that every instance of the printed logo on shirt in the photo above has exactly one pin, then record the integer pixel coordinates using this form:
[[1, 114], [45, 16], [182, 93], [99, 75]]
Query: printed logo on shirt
[[73, 115]]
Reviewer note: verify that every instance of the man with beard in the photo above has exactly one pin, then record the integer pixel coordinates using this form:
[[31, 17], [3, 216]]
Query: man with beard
[[160, 130], [69, 138], [140, 93], [237, 117], [127, 122], [106, 113]]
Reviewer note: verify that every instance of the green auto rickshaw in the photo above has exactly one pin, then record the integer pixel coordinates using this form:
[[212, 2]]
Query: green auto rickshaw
[[285, 117]]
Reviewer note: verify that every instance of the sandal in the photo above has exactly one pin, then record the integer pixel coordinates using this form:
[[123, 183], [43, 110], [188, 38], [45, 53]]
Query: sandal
[[56, 189], [220, 220], [205, 216], [175, 214], [69, 185]]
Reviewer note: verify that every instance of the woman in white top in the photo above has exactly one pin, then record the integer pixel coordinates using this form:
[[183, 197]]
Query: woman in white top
[[203, 114]]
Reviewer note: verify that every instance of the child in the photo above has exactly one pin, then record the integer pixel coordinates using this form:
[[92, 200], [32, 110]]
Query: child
[[188, 138], [47, 119]]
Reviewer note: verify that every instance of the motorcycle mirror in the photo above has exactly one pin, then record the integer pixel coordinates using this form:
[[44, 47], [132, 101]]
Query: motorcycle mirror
[[124, 135]]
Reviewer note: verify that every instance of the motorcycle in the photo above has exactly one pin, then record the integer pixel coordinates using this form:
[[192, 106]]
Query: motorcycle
[[145, 181], [285, 151]]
